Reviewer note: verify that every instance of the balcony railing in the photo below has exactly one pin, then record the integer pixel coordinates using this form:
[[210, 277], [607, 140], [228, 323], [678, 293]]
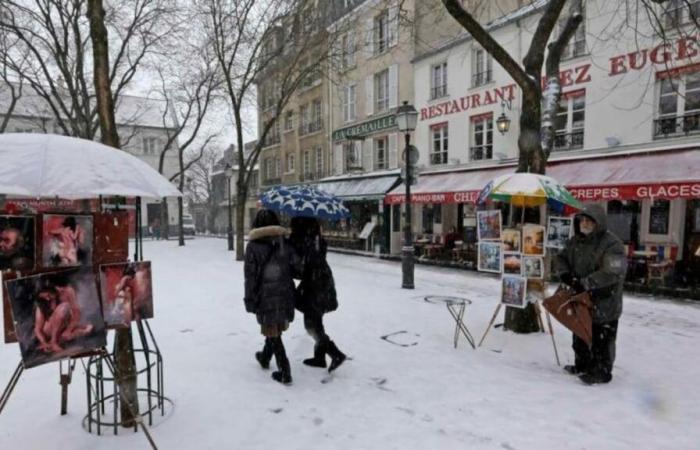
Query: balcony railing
[[438, 91], [574, 50], [480, 152], [272, 140], [481, 78], [666, 127], [568, 141], [310, 176], [438, 158], [312, 127], [272, 181]]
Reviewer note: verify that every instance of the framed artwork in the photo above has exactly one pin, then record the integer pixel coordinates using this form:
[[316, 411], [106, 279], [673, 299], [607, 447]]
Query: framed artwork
[[67, 240], [559, 230], [488, 225], [512, 263], [127, 293], [533, 240], [513, 291], [56, 315], [511, 240], [535, 291], [8, 326], [533, 267], [17, 243], [111, 230], [490, 256]]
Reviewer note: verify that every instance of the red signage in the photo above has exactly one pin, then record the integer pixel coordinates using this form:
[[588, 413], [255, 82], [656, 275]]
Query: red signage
[[437, 197], [683, 48], [468, 102], [637, 191]]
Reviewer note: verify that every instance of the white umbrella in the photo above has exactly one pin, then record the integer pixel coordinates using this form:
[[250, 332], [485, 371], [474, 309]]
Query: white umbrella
[[49, 165]]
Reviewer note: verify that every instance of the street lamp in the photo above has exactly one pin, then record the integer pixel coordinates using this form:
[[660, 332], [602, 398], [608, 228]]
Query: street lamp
[[503, 121], [406, 120], [228, 172]]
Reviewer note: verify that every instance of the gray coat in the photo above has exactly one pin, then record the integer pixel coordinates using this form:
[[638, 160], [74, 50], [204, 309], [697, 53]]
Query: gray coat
[[598, 261]]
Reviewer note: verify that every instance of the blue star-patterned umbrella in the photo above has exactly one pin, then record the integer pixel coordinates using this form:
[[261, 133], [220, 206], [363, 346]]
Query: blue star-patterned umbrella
[[304, 201]]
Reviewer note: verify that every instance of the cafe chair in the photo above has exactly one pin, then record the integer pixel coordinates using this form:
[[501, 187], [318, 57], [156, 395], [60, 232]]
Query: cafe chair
[[661, 269]]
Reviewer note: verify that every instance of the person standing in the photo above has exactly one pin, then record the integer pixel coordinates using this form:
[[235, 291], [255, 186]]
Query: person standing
[[269, 266], [316, 293], [594, 260]]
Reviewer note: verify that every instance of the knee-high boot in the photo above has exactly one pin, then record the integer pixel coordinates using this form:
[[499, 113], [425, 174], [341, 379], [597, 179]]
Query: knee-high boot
[[265, 355], [337, 357], [283, 374]]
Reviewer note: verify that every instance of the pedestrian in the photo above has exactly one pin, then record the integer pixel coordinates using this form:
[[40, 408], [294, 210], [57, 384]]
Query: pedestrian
[[270, 264], [316, 293], [593, 260]]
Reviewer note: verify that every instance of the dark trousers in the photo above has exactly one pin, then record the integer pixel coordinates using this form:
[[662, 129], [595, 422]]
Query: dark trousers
[[313, 322], [599, 359]]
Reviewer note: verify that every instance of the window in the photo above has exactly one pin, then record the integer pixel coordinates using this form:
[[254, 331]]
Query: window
[[438, 147], [305, 119], [278, 166], [482, 139], [306, 163], [679, 105], [347, 51], [290, 162], [680, 12], [659, 214], [577, 44], [352, 156], [570, 121], [149, 145], [438, 81], [428, 215], [380, 153], [381, 91], [319, 161], [624, 219], [481, 67], [349, 103], [289, 121], [381, 32], [316, 116], [396, 218], [269, 168]]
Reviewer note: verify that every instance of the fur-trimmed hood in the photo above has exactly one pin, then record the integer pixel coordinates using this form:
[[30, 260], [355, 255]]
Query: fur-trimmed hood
[[266, 232]]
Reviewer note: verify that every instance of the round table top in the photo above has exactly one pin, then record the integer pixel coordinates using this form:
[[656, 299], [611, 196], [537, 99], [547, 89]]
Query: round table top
[[448, 299]]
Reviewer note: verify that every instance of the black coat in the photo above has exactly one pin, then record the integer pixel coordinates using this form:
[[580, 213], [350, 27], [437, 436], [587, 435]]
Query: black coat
[[316, 292], [598, 261], [270, 264]]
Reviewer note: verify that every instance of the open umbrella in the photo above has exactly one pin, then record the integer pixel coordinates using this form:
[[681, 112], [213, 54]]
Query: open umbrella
[[304, 201], [527, 189]]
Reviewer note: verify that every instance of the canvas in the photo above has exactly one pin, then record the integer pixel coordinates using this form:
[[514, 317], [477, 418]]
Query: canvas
[[56, 315], [17, 243], [8, 325], [67, 240], [512, 263], [533, 240], [111, 232], [559, 231], [127, 293], [490, 256], [513, 291], [535, 290], [511, 240], [489, 224], [533, 267]]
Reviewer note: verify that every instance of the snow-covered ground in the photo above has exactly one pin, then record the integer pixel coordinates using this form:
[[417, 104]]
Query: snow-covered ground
[[509, 394]]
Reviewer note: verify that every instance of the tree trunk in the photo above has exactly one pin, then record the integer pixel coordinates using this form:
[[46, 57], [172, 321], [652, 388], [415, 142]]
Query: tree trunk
[[241, 196], [124, 351], [180, 230], [164, 220]]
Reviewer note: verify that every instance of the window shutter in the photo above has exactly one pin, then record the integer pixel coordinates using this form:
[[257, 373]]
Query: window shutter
[[369, 95], [337, 159], [393, 152], [393, 86], [367, 154], [393, 24], [369, 36]]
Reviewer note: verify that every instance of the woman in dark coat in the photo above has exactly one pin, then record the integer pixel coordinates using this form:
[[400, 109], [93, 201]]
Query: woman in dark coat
[[269, 266], [316, 293]]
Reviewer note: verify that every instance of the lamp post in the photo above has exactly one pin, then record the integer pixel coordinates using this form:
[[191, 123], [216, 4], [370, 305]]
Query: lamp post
[[406, 120], [228, 172]]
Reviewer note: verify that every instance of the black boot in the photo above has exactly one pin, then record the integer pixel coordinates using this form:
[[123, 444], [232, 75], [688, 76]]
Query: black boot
[[319, 359], [595, 378], [572, 370], [265, 355], [337, 357], [283, 374]]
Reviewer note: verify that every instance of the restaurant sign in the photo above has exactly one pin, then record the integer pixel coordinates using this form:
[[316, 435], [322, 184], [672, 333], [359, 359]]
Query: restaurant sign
[[436, 197], [637, 191], [365, 128]]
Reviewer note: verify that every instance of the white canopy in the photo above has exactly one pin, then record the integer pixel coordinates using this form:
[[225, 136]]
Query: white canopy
[[49, 165]]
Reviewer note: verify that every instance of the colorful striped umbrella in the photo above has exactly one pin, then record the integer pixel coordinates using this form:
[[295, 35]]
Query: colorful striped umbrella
[[528, 189]]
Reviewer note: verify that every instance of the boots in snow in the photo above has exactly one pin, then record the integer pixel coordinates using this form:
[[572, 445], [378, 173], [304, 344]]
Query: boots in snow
[[337, 357], [319, 359], [265, 355], [283, 374]]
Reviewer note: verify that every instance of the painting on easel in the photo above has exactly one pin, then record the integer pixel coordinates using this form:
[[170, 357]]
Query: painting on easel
[[56, 315], [513, 291], [126, 293], [17, 242]]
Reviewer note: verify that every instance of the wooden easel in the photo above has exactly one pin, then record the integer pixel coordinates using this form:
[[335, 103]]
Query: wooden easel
[[112, 368]]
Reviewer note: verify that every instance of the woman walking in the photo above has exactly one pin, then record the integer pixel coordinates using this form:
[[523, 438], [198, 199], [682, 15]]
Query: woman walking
[[269, 289], [316, 293]]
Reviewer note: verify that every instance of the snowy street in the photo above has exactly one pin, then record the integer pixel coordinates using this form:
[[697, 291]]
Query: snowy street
[[508, 394]]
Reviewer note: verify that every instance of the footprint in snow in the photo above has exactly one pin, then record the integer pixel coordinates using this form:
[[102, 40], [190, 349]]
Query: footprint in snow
[[276, 410], [187, 330]]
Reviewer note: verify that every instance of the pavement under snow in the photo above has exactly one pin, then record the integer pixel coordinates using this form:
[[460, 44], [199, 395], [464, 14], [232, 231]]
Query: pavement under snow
[[423, 393]]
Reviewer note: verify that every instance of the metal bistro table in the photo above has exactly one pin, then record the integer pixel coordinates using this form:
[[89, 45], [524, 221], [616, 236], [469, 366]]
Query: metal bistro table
[[456, 306]]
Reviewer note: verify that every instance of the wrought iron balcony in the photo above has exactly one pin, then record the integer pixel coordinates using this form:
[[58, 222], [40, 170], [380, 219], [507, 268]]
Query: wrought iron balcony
[[568, 141], [438, 91], [438, 158], [480, 152], [481, 78], [311, 127], [666, 127]]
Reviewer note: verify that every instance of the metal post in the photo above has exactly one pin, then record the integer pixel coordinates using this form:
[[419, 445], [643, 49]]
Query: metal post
[[230, 226], [407, 249]]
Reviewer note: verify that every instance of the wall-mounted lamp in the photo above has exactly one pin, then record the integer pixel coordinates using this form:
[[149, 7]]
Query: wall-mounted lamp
[[503, 121]]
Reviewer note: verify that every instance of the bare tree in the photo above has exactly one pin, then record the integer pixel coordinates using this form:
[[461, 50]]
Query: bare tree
[[538, 108], [202, 188], [11, 59]]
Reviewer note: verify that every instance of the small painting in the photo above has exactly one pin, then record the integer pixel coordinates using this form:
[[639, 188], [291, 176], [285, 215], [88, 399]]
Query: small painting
[[513, 291], [533, 267], [535, 291], [559, 231], [67, 240], [17, 246], [533, 240], [490, 256], [127, 293], [489, 224], [56, 315], [512, 263], [511, 240]]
